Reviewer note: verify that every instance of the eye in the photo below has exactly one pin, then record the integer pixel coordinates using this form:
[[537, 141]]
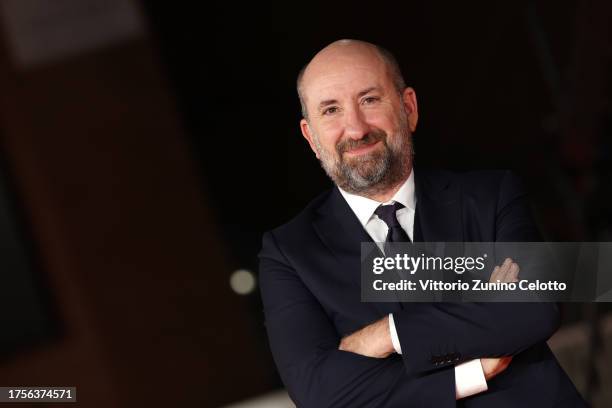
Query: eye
[[331, 110], [368, 100]]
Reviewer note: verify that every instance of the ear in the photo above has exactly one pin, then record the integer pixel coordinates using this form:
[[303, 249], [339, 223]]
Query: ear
[[306, 132], [410, 104]]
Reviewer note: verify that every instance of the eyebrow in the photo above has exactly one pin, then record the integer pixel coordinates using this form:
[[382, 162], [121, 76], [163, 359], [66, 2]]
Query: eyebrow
[[328, 102], [367, 91]]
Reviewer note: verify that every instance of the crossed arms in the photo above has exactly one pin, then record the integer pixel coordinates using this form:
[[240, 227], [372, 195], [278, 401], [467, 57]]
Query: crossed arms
[[375, 340], [305, 344]]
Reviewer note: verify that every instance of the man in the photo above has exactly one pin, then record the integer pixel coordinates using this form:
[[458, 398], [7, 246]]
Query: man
[[333, 350]]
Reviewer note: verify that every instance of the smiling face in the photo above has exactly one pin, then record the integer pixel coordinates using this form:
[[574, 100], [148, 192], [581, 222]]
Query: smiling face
[[359, 123]]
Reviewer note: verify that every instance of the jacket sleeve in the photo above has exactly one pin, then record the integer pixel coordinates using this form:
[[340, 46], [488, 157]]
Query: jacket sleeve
[[304, 344], [444, 334], [451, 332]]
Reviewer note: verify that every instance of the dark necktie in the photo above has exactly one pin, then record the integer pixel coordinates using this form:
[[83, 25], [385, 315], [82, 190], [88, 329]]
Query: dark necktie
[[396, 232], [387, 214]]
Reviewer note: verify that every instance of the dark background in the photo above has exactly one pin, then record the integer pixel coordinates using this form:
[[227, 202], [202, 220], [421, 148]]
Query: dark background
[[524, 86], [144, 172]]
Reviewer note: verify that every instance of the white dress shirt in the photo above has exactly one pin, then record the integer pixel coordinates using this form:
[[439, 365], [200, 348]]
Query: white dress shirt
[[469, 376]]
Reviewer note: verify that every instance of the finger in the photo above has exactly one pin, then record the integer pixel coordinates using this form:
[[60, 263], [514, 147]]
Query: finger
[[494, 274], [507, 262], [510, 274], [506, 266], [514, 271], [503, 269]]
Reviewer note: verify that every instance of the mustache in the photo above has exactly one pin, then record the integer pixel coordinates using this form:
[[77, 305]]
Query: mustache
[[368, 139]]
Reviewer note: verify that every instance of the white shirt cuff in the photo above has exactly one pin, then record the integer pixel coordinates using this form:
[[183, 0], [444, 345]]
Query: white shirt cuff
[[394, 339], [469, 379]]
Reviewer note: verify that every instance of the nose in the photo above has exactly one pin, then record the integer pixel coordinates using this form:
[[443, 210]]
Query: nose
[[355, 125]]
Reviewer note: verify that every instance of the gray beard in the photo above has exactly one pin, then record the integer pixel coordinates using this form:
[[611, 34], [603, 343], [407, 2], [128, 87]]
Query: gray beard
[[373, 173]]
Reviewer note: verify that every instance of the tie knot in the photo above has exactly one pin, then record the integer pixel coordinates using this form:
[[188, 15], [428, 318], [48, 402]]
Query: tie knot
[[387, 213]]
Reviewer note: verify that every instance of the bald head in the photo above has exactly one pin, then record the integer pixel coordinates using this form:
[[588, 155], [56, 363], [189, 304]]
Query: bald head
[[341, 54]]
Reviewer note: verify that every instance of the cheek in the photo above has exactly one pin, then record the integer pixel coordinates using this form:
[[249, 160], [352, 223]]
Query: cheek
[[382, 120], [330, 134]]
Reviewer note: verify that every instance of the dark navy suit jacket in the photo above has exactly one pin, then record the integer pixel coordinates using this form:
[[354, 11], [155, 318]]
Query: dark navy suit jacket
[[310, 284]]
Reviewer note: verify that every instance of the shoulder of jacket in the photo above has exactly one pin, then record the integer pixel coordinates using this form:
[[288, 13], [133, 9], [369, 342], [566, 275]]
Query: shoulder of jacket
[[470, 178], [303, 218]]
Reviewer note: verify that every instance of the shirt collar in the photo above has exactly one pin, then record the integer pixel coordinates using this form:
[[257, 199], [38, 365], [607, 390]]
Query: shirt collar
[[364, 207]]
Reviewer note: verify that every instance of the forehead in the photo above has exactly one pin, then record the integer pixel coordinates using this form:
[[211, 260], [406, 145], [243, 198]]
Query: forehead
[[338, 75]]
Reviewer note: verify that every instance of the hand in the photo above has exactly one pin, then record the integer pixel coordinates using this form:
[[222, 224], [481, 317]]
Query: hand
[[374, 340], [493, 366], [507, 272]]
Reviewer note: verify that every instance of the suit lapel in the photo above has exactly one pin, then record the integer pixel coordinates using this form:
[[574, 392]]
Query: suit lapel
[[341, 232], [339, 228]]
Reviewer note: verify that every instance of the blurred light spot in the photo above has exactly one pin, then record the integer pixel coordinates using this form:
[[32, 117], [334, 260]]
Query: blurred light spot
[[242, 281]]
